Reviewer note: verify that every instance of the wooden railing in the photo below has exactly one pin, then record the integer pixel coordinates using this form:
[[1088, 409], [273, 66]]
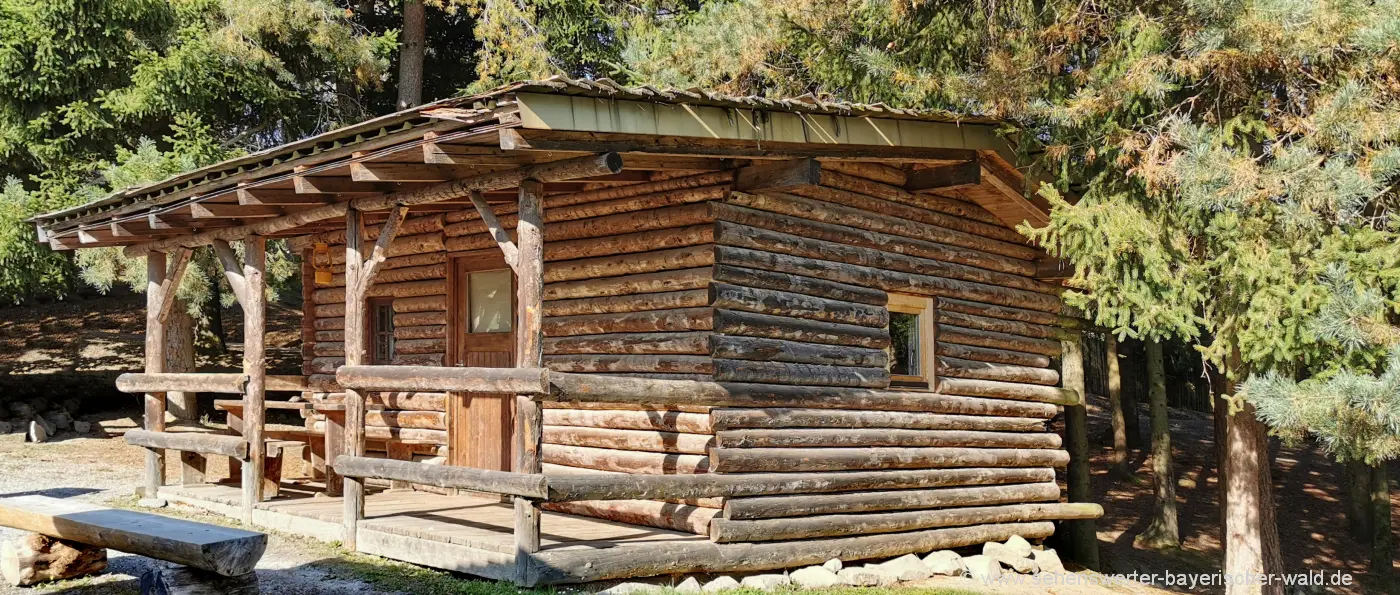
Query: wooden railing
[[209, 444], [233, 384]]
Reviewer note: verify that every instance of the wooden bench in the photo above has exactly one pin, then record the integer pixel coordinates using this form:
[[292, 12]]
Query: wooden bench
[[224, 551], [277, 441]]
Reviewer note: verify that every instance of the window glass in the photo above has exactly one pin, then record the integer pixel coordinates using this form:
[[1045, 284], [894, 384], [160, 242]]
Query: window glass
[[904, 340], [382, 331], [489, 301]]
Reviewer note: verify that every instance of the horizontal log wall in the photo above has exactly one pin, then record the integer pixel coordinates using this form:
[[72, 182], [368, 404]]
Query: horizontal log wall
[[802, 277]]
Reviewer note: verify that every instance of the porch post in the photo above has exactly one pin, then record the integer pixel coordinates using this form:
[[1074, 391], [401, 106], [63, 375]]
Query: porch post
[[529, 235], [1084, 544], [354, 493], [155, 364], [255, 368]]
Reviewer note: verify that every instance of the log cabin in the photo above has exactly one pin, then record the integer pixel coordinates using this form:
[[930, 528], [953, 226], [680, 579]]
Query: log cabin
[[568, 330]]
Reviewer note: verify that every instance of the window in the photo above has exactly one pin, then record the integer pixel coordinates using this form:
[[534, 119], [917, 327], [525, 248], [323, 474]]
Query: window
[[381, 334], [912, 359], [489, 296]]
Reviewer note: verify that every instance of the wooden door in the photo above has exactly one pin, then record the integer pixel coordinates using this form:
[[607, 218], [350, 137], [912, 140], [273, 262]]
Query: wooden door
[[482, 326]]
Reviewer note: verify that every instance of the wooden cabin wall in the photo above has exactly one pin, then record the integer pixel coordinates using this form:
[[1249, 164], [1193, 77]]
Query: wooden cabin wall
[[810, 267], [627, 291]]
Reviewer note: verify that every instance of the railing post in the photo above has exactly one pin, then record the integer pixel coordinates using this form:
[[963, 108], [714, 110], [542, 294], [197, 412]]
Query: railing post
[[529, 270], [255, 368], [155, 364]]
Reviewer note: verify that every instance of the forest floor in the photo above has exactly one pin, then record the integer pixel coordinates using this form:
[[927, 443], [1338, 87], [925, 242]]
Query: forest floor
[[78, 348]]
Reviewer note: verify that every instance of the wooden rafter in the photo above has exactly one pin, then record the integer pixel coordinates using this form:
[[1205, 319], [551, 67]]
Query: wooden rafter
[[171, 283], [233, 270], [380, 252]]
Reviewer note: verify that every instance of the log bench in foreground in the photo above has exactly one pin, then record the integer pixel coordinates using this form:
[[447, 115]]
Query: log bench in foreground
[[219, 550]]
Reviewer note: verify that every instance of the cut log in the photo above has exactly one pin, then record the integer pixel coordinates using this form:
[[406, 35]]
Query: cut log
[[414, 435], [965, 336], [685, 343], [525, 381], [733, 322], [408, 401], [605, 406], [896, 281], [647, 513], [963, 368], [735, 419], [666, 421], [649, 463], [420, 346], [427, 303], [734, 370], [942, 177], [180, 580], [777, 350], [186, 382], [662, 487], [434, 360], [628, 303], [794, 215], [786, 460], [585, 565], [444, 476], [433, 287], [796, 305], [845, 437], [987, 354], [223, 550], [630, 264], [888, 191], [435, 318], [651, 321], [427, 420], [640, 440], [409, 333], [616, 209], [645, 241], [1010, 327], [606, 364], [560, 470], [329, 324], [768, 507], [799, 284], [1007, 390], [726, 531], [1008, 313], [562, 200], [667, 281], [870, 171], [210, 444], [583, 388], [37, 558]]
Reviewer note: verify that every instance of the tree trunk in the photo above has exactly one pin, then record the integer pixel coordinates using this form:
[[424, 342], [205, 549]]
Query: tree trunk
[[1251, 527], [1119, 458], [1382, 543], [39, 558], [1162, 531], [1220, 411], [214, 315], [411, 54], [179, 357], [1358, 477], [1133, 369]]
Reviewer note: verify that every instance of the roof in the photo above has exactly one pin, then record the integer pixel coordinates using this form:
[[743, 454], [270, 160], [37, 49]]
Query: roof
[[469, 117]]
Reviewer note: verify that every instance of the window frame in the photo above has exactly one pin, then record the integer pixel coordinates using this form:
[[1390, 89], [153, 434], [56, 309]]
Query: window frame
[[925, 308], [374, 308]]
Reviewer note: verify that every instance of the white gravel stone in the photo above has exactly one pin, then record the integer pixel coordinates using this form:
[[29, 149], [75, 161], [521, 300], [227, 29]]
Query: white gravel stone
[[152, 503], [630, 589], [865, 576], [945, 563], [1020, 565], [908, 568], [766, 582], [983, 568], [689, 585], [833, 565], [1048, 560], [815, 577], [723, 583], [1019, 546], [82, 427]]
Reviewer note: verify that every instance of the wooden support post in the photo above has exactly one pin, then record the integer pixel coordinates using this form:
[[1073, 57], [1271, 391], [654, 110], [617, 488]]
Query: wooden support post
[[155, 364], [1084, 544], [354, 494], [332, 446], [529, 420], [255, 368], [1118, 417], [360, 271]]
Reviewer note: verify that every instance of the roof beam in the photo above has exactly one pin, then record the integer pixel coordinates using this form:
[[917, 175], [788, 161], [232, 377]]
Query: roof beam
[[521, 139], [264, 196], [410, 172], [567, 169], [204, 210], [944, 177], [336, 185], [776, 176]]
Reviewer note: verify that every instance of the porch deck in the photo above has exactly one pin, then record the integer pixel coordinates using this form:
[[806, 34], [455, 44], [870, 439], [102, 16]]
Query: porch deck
[[467, 533]]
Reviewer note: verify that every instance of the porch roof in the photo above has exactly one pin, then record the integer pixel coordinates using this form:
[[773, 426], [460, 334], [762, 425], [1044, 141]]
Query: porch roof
[[655, 130]]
